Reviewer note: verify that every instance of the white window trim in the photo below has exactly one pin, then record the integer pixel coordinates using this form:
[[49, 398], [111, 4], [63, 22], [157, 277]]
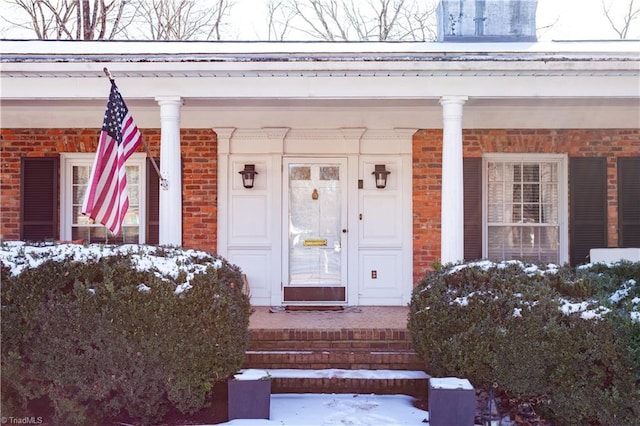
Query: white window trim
[[563, 196], [67, 161]]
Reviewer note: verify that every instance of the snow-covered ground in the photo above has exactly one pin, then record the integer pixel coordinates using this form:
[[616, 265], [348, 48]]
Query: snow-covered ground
[[339, 409]]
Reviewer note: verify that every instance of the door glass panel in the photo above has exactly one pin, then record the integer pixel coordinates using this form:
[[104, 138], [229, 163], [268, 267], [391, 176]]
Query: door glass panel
[[314, 225]]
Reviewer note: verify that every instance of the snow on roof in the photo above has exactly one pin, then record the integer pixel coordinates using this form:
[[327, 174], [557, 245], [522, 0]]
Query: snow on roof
[[53, 50]]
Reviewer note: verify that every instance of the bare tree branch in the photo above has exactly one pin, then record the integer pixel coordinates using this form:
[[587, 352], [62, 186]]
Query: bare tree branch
[[180, 19], [629, 16], [72, 19], [278, 20], [378, 20]]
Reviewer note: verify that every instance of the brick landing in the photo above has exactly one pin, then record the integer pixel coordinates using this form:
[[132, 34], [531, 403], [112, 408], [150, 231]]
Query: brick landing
[[394, 317]]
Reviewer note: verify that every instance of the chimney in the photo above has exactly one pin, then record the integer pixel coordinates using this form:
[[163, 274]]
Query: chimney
[[487, 20]]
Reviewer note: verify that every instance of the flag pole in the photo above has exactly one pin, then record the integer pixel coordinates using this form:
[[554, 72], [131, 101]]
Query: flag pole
[[163, 182]]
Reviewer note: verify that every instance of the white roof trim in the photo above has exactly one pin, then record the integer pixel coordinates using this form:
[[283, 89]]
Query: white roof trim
[[149, 48]]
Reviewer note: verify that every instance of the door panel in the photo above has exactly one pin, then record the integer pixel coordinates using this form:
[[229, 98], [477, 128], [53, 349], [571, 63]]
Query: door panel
[[315, 206]]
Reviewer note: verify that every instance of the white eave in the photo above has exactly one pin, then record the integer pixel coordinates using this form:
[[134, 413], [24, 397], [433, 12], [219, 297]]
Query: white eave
[[36, 58], [316, 70]]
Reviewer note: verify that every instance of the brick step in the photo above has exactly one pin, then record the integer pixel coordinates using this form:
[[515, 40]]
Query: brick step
[[332, 348], [334, 358], [362, 381], [293, 339]]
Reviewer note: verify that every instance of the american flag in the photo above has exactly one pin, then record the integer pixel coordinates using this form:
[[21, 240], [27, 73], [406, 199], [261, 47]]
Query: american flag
[[106, 200]]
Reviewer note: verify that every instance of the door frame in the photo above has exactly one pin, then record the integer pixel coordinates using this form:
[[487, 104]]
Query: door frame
[[346, 245]]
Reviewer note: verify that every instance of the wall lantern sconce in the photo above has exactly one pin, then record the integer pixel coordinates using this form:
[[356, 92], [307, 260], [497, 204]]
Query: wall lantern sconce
[[380, 174], [248, 175]]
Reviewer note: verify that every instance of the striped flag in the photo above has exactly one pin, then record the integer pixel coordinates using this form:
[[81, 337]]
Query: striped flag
[[106, 200]]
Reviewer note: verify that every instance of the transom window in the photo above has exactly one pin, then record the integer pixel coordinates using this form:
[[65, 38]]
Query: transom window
[[76, 226], [524, 206]]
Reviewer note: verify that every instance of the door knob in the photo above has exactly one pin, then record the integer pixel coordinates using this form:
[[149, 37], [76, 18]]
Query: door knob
[[344, 231]]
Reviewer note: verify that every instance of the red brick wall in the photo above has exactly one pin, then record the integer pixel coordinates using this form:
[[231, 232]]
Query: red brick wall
[[199, 148], [199, 194], [427, 171]]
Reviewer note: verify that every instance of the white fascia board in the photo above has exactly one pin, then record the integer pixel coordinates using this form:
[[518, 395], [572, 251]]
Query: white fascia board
[[287, 87], [196, 68]]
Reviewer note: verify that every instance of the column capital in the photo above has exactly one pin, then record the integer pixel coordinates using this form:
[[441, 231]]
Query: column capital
[[453, 100], [168, 100]]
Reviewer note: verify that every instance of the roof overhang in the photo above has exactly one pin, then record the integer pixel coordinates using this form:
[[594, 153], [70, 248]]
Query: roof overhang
[[212, 70]]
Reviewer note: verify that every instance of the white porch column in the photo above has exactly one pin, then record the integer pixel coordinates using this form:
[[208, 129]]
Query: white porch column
[[452, 213], [170, 168]]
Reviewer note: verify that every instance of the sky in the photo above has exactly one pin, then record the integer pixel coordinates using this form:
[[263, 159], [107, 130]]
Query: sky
[[571, 19]]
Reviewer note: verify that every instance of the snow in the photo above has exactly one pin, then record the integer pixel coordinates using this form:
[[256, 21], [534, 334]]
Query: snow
[[167, 263], [330, 373], [567, 307], [252, 374], [622, 292], [450, 383], [339, 409]]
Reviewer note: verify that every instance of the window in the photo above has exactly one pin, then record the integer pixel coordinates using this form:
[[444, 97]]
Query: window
[[76, 169], [525, 209]]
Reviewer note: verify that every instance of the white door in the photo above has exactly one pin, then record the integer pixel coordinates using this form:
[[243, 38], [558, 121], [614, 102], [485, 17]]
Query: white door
[[315, 252]]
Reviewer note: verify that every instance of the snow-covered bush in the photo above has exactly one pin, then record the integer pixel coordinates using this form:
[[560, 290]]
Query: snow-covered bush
[[105, 332], [563, 339]]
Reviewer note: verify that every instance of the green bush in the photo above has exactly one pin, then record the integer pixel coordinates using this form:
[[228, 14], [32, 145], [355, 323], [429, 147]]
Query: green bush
[[562, 339], [118, 332]]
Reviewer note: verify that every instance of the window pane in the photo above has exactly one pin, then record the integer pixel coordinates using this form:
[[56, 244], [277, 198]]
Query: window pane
[[495, 238], [80, 175], [548, 173], [531, 213], [78, 218], [517, 193], [132, 217], [300, 173], [516, 213], [496, 172], [133, 176], [329, 173], [129, 234], [78, 194], [516, 172], [134, 194], [530, 172], [495, 212]]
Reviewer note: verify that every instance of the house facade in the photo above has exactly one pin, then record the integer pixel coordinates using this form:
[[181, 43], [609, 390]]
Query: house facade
[[490, 150]]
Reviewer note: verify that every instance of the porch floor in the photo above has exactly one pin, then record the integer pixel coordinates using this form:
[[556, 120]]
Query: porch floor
[[358, 317]]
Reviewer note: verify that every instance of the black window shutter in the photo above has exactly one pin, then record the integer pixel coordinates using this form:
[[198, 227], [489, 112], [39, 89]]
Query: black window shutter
[[472, 175], [153, 203], [629, 202], [39, 199], [588, 207]]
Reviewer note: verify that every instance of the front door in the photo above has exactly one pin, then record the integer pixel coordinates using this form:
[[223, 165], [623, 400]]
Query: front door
[[315, 206]]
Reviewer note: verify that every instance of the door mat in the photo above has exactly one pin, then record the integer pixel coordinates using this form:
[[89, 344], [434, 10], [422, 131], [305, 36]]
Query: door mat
[[293, 309], [314, 308]]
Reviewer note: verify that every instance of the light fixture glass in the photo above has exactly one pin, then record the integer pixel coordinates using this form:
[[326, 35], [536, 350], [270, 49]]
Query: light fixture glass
[[248, 175], [380, 174]]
